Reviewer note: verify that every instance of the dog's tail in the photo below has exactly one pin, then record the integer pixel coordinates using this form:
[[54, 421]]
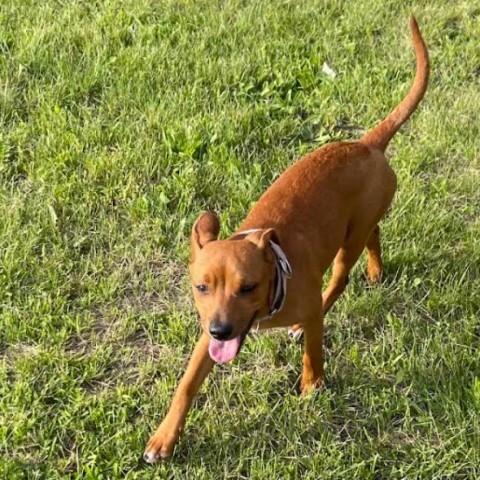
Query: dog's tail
[[380, 136]]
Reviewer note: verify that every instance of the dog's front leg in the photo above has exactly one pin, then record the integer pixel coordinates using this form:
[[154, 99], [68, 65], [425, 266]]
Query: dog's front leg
[[312, 375], [163, 440]]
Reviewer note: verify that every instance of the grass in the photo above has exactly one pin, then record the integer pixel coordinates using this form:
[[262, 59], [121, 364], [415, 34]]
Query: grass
[[120, 122]]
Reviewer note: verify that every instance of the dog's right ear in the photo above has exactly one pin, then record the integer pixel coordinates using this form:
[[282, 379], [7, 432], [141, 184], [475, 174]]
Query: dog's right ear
[[205, 230]]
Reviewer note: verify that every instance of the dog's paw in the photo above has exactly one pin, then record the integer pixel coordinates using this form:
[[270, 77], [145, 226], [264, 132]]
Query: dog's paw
[[306, 390], [374, 276], [295, 332], [311, 385], [160, 446]]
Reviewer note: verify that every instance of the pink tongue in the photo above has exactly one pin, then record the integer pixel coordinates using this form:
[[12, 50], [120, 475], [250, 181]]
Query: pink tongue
[[223, 352]]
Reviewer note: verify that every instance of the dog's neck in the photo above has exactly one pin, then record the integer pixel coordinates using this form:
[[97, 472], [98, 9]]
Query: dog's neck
[[283, 271]]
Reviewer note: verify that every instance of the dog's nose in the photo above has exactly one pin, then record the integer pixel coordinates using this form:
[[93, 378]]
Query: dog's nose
[[220, 331]]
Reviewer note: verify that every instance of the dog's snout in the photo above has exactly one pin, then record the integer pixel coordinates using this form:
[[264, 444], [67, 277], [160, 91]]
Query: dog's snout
[[220, 331]]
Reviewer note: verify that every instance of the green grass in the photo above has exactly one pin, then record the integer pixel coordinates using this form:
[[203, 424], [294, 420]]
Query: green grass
[[120, 123]]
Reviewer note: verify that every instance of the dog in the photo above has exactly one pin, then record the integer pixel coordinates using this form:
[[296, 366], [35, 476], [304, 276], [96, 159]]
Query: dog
[[324, 208]]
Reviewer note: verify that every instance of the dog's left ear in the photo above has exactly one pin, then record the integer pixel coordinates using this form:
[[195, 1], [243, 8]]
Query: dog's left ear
[[262, 238], [205, 230]]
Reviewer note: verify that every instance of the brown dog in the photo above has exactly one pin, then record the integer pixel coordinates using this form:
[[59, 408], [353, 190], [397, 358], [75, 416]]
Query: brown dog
[[326, 207]]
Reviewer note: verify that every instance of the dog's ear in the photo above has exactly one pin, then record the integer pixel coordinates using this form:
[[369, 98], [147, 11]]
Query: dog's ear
[[205, 230], [262, 238]]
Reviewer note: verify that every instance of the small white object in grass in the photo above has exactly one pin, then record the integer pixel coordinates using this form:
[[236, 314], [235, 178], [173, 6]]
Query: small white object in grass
[[327, 70], [295, 334]]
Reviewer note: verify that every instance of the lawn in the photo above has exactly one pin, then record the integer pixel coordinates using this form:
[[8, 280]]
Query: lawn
[[120, 122]]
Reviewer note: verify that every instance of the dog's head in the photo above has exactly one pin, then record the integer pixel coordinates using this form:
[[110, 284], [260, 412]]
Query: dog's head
[[232, 283]]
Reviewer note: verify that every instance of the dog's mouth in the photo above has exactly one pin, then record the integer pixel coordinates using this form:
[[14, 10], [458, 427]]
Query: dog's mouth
[[224, 351]]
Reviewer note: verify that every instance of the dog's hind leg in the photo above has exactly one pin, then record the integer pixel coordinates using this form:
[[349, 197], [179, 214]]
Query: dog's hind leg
[[374, 265], [343, 263], [345, 259]]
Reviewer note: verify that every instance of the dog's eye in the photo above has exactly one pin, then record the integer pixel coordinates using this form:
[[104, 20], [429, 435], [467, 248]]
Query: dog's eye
[[202, 288], [247, 289]]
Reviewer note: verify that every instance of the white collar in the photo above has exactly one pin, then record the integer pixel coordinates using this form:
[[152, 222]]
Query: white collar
[[284, 272]]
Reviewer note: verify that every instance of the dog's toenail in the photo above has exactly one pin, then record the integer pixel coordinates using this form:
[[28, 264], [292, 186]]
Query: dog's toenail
[[149, 457]]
